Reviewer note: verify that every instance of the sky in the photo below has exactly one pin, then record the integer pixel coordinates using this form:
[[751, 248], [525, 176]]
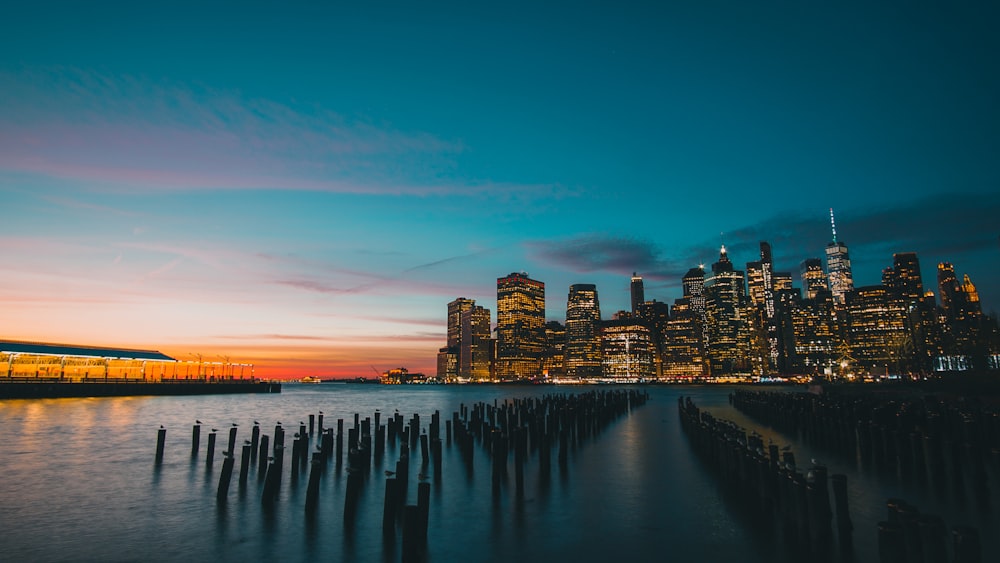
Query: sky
[[305, 186]]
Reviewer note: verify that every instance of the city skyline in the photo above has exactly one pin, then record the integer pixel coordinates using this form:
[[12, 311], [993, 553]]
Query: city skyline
[[302, 189]]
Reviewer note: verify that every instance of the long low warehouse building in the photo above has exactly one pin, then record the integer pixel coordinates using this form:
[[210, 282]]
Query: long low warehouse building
[[70, 363]]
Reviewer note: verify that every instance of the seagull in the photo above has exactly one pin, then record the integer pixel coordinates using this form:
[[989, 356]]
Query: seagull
[[161, 426], [215, 430], [246, 442], [389, 473], [255, 423], [422, 477], [234, 424], [197, 422], [278, 423]]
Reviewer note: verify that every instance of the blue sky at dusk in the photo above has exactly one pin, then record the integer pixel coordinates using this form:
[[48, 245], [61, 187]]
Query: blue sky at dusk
[[306, 185]]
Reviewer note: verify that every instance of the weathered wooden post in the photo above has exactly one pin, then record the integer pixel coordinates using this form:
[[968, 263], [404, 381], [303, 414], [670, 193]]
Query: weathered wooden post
[[161, 438], [225, 477], [389, 507], [254, 441], [210, 456], [195, 439], [244, 466], [844, 526], [262, 467], [312, 489]]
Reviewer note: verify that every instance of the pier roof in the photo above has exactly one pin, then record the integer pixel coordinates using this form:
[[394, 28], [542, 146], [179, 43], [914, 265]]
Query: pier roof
[[41, 348]]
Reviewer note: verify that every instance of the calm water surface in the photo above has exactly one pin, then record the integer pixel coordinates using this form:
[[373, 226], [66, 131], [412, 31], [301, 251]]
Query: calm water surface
[[79, 483]]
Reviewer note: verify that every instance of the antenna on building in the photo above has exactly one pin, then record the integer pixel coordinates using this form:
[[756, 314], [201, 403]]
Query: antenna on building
[[833, 225]]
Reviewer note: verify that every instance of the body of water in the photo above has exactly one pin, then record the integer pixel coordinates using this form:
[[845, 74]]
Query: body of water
[[79, 483]]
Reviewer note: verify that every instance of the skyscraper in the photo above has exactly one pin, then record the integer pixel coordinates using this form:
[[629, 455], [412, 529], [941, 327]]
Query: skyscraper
[[683, 343], [626, 349], [475, 354], [724, 312], [903, 280], [813, 277], [838, 264], [760, 283], [455, 310], [638, 293], [693, 287], [878, 331], [554, 359], [583, 344], [520, 326]]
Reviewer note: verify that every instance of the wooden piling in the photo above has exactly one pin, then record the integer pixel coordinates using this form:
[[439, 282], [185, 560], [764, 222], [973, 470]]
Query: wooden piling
[[389, 507], [161, 438], [312, 489], [225, 477], [262, 468], [245, 465], [210, 455], [423, 506], [195, 439], [411, 534]]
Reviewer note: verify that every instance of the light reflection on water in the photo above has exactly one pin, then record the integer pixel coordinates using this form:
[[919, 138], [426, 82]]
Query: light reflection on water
[[79, 483]]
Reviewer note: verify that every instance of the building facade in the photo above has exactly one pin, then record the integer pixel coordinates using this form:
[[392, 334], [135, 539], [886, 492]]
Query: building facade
[[520, 327]]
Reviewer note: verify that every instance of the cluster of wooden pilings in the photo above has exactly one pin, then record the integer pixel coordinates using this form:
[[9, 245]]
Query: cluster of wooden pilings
[[524, 426], [768, 482], [911, 437], [909, 536], [925, 440]]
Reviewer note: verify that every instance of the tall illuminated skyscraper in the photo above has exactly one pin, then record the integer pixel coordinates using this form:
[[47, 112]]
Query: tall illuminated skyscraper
[[638, 292], [724, 312], [520, 327], [813, 277], [838, 264], [583, 331], [760, 283], [693, 287], [626, 349], [475, 354]]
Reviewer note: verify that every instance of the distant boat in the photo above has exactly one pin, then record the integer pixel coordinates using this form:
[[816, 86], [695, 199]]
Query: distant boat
[[310, 379]]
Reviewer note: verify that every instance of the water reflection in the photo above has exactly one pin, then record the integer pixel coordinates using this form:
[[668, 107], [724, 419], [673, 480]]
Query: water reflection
[[633, 491]]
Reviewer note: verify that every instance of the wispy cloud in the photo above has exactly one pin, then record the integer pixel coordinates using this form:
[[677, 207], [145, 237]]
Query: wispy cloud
[[129, 132], [605, 253]]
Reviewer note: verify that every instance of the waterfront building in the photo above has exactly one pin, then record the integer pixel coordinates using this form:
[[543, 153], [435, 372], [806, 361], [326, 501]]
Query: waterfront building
[[814, 341], [656, 315], [838, 264], [760, 288], [583, 331], [554, 358], [71, 363], [878, 330], [693, 289], [626, 349], [475, 358], [682, 343], [813, 277], [520, 327], [447, 365], [728, 342]]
